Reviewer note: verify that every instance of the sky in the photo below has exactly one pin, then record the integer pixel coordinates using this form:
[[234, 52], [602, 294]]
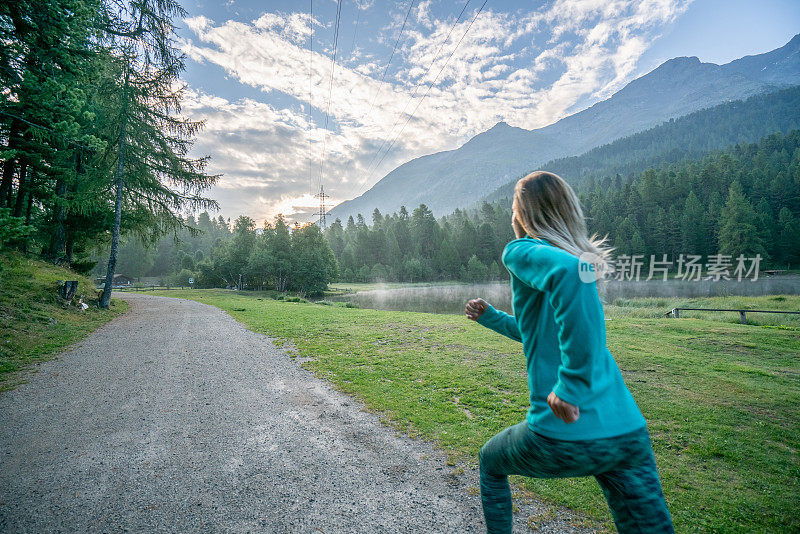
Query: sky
[[413, 77]]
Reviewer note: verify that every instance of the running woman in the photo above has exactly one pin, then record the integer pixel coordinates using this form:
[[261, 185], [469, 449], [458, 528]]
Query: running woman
[[582, 420]]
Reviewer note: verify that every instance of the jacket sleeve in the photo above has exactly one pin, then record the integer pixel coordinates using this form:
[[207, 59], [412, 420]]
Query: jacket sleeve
[[500, 322], [577, 311]]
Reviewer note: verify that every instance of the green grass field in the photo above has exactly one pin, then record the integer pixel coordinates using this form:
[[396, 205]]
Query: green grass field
[[721, 399], [34, 326]]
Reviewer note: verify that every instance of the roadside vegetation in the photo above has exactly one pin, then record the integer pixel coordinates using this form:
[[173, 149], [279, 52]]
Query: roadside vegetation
[[92, 142], [34, 325], [720, 398]]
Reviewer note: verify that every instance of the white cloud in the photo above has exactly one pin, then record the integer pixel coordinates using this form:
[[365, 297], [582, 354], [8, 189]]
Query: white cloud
[[529, 69], [364, 5], [294, 27], [423, 13]]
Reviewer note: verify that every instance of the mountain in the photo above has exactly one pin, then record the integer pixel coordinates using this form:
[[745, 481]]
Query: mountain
[[456, 178], [777, 67], [689, 137]]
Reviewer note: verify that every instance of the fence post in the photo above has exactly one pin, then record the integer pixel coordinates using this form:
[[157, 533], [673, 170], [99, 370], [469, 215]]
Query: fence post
[[675, 313], [742, 317]]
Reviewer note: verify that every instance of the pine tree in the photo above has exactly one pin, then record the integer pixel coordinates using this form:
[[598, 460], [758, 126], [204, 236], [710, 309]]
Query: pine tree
[[694, 228], [48, 60], [424, 232], [487, 243], [476, 270], [447, 259], [788, 238], [313, 264], [280, 249], [637, 245], [153, 174], [738, 226]]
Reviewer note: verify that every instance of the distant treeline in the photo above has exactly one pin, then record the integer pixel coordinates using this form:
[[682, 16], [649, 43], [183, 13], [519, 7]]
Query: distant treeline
[[164, 260], [275, 257], [744, 200], [418, 247]]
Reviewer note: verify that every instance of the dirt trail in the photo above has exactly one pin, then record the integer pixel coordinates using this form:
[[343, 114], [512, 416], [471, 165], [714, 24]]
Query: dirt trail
[[175, 417]]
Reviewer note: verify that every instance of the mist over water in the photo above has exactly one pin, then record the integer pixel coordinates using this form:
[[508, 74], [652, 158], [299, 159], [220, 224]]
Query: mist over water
[[444, 298], [450, 298]]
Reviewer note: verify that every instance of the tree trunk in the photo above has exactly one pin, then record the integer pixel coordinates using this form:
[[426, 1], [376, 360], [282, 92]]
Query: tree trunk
[[70, 248], [8, 167], [105, 300], [21, 189], [5, 185], [29, 207], [70, 232], [28, 216], [58, 242]]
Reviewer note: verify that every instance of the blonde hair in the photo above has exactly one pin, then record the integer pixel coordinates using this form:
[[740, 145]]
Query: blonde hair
[[546, 207]]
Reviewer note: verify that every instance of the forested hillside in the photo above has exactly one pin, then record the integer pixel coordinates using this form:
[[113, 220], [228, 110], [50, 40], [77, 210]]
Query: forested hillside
[[688, 137], [743, 200]]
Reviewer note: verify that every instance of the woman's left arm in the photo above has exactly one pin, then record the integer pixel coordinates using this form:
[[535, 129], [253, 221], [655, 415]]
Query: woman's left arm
[[485, 314], [501, 322]]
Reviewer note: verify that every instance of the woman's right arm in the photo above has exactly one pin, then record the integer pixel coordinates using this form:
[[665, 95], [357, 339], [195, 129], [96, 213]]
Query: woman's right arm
[[484, 313], [577, 312]]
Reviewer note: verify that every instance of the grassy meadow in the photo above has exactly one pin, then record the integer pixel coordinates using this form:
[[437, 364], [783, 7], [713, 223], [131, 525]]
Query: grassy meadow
[[34, 325], [721, 398]]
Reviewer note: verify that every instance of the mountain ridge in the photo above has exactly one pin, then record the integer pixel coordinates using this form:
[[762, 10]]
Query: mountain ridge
[[456, 178]]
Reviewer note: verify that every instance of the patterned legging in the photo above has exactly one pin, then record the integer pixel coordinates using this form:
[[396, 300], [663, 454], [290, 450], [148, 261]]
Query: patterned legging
[[623, 465]]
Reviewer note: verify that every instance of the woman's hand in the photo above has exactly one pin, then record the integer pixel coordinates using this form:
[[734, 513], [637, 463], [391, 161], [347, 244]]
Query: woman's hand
[[563, 410], [475, 308]]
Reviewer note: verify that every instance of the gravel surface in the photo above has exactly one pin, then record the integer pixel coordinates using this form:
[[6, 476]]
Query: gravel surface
[[175, 417]]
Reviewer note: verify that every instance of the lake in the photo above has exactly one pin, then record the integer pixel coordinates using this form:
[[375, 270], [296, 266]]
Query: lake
[[450, 298]]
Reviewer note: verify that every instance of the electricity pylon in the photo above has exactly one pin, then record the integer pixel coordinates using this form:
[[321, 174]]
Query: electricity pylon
[[322, 214]]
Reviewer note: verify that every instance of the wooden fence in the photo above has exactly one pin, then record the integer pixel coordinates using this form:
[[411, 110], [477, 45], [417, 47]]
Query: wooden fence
[[148, 288], [675, 312]]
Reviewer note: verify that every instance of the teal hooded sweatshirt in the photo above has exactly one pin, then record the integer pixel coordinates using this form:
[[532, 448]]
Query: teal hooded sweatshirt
[[559, 320]]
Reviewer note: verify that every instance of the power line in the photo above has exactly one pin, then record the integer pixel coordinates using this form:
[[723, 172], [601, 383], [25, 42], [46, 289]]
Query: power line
[[429, 88], [310, 91], [416, 88], [431, 85], [330, 89], [355, 31], [386, 69]]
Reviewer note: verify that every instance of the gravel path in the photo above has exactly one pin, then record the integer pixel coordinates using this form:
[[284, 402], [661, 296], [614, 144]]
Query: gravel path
[[175, 417]]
